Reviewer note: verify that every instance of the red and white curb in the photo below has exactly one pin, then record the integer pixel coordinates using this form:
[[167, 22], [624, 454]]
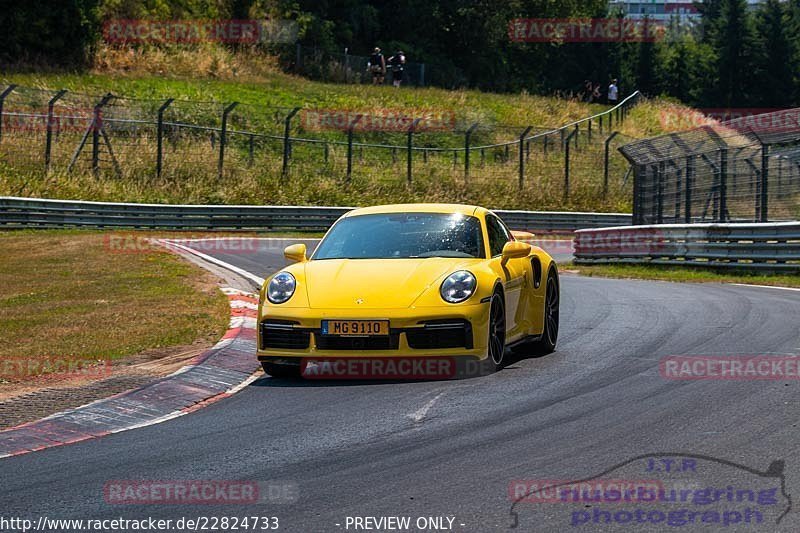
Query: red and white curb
[[219, 372]]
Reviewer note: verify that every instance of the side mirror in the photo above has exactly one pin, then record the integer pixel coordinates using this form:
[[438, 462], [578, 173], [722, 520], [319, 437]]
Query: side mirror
[[296, 253], [515, 250]]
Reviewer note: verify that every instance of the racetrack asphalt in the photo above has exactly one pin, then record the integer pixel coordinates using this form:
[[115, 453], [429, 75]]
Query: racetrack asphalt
[[453, 448]]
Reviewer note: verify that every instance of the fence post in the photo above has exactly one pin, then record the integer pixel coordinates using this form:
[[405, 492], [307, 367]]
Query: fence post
[[589, 130], [577, 134], [601, 123], [723, 185], [662, 171], [409, 145], [97, 124], [3, 95], [287, 128], [522, 155], [610, 120], [49, 140], [678, 185], [160, 133], [688, 194], [566, 164], [544, 144], [605, 163], [639, 172], [251, 149], [467, 137], [350, 145], [764, 182], [223, 137]]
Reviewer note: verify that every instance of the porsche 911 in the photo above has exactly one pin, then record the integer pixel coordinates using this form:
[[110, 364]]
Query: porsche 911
[[410, 281]]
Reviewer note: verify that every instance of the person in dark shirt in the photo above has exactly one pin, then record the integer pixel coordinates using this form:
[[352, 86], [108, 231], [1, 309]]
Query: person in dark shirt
[[397, 64], [377, 66]]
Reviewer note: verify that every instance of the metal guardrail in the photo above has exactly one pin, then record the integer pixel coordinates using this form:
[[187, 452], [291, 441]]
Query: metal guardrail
[[774, 246], [43, 213]]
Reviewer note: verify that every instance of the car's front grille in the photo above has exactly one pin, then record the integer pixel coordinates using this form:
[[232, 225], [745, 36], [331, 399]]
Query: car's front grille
[[282, 334], [441, 334], [335, 342]]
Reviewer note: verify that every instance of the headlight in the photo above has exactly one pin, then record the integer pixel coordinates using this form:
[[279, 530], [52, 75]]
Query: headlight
[[281, 288], [458, 286]]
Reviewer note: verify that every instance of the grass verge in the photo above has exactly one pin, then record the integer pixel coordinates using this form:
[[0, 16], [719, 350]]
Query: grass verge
[[683, 274], [67, 295]]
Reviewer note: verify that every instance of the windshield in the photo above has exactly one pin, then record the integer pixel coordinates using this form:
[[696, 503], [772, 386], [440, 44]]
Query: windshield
[[403, 235]]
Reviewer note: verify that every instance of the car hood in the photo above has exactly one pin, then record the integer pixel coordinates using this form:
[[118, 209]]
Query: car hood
[[376, 283]]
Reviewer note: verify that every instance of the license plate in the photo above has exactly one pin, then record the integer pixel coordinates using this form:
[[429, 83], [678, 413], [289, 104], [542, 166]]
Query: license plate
[[355, 328]]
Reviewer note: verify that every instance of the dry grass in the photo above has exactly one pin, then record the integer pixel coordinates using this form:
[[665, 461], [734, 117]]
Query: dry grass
[[203, 60], [190, 175], [68, 295]]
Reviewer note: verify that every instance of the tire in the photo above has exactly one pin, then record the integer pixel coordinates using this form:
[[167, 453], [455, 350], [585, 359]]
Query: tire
[[281, 371], [546, 343], [497, 331]]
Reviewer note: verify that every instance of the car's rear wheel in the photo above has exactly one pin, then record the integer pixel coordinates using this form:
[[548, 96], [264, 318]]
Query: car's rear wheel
[[547, 344], [277, 370], [497, 330]]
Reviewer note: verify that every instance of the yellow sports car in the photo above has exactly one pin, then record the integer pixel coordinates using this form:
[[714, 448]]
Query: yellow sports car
[[410, 281]]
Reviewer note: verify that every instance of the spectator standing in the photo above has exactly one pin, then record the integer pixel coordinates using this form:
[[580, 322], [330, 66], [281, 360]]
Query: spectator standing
[[613, 92], [397, 64], [586, 93], [377, 66]]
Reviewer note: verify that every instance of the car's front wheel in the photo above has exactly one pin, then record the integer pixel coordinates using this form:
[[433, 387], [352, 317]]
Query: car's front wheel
[[497, 330]]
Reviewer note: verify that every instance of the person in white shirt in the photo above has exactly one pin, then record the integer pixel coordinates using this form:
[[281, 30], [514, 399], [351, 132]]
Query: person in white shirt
[[613, 92]]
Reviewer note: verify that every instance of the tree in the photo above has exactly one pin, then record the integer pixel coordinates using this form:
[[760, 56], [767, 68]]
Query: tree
[[734, 39], [777, 31], [56, 32]]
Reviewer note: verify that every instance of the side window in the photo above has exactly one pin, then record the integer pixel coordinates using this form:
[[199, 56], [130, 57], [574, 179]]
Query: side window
[[498, 235]]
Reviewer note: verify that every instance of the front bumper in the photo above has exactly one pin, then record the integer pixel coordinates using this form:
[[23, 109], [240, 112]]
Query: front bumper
[[457, 331]]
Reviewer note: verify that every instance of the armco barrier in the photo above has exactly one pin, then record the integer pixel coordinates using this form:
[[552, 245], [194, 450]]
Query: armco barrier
[[42, 213], [773, 246]]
